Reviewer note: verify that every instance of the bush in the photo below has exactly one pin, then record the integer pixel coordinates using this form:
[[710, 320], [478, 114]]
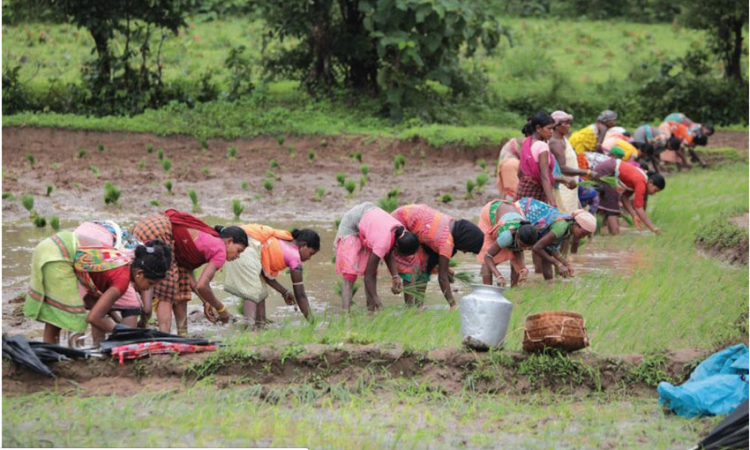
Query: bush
[[111, 193]]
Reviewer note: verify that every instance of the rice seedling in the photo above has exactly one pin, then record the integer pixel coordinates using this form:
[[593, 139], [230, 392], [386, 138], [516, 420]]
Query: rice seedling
[[94, 170], [194, 200], [204, 143], [470, 185], [466, 278], [111, 194], [365, 169], [160, 154], [169, 185], [8, 196], [339, 286], [31, 159], [237, 209], [40, 222], [232, 153], [350, 186], [268, 185], [149, 149], [54, 222], [166, 164], [50, 188], [311, 155], [393, 193], [272, 175], [362, 182], [280, 140], [482, 179], [388, 204], [82, 153], [482, 163], [337, 222], [154, 203], [399, 161], [319, 194], [28, 203], [101, 147], [142, 165], [206, 171], [245, 186], [340, 178], [446, 198], [77, 185], [55, 166], [452, 263], [356, 155], [274, 164]]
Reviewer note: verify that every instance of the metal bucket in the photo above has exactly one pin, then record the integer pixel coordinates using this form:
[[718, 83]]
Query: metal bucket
[[485, 314]]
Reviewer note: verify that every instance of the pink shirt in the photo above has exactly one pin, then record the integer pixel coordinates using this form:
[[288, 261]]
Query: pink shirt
[[376, 231], [291, 254], [212, 248], [537, 148]]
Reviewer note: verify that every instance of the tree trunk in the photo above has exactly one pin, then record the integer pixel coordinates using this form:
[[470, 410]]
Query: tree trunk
[[734, 67], [362, 70], [101, 42]]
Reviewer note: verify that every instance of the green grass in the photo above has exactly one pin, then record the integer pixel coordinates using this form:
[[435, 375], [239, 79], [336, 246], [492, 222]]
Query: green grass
[[555, 55], [358, 415]]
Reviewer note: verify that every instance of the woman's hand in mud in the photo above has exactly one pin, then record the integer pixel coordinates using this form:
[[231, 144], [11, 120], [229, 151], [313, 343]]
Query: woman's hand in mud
[[656, 230], [638, 223], [209, 312], [501, 282], [396, 285], [564, 271], [289, 298], [224, 316], [144, 319], [523, 274]]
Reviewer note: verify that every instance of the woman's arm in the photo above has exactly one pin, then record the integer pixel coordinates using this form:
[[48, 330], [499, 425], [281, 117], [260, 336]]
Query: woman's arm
[[97, 317], [206, 294], [490, 263], [638, 212], [444, 280], [396, 282], [300, 295], [546, 182], [540, 248]]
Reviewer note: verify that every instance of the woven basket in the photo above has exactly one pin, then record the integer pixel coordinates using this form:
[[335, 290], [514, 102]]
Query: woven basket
[[557, 329]]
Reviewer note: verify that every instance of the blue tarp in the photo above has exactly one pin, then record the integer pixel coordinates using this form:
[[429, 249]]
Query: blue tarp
[[717, 386]]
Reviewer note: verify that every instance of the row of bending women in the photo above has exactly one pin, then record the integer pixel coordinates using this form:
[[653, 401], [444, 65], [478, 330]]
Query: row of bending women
[[545, 166], [100, 274]]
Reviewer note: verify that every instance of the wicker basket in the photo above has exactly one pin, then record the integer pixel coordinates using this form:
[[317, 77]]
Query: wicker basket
[[557, 329]]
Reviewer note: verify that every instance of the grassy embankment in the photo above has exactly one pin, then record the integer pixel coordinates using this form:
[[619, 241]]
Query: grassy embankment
[[542, 60]]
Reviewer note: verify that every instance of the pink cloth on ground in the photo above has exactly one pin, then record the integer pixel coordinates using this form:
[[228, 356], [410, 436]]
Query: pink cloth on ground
[[212, 248], [291, 254], [92, 234]]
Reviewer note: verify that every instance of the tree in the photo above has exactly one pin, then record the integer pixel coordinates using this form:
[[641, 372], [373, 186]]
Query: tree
[[724, 21], [112, 78], [380, 46]]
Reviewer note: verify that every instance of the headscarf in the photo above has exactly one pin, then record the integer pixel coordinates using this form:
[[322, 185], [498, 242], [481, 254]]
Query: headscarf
[[467, 237], [561, 116], [585, 220], [606, 116]]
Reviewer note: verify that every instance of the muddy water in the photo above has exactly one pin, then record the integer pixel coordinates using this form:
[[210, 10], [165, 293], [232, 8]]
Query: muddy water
[[20, 238]]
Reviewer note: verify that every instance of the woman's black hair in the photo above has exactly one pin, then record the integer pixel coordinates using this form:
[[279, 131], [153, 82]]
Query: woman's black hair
[[673, 143], [407, 243], [700, 139], [309, 237], [541, 119], [527, 234], [237, 234], [658, 180], [154, 258], [709, 126]]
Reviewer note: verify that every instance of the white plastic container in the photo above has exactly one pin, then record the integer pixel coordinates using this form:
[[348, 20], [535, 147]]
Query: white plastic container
[[485, 314]]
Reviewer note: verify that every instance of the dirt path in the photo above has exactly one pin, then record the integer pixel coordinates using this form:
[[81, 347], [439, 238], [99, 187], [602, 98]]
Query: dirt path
[[742, 221], [448, 369]]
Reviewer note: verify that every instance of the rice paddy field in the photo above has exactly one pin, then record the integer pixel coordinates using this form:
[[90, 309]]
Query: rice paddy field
[[655, 305]]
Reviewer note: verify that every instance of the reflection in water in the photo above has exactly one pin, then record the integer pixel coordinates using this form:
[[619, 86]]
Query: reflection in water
[[19, 240]]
